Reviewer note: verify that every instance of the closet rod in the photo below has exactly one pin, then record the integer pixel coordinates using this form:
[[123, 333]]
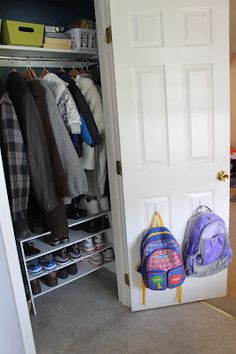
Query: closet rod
[[7, 61]]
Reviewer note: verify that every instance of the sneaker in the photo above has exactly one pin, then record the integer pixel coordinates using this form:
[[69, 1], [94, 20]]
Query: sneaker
[[64, 239], [34, 267], [87, 246], [74, 252], [91, 226], [61, 256], [72, 269], [96, 259], [30, 250], [108, 255], [104, 204], [50, 279], [53, 241], [62, 273], [35, 286], [91, 206], [48, 262], [98, 241]]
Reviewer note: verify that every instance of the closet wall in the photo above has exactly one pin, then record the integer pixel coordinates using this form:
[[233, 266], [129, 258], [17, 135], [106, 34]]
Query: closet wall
[[54, 12]]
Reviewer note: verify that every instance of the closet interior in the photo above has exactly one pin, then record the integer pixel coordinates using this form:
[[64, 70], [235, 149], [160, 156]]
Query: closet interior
[[53, 144]]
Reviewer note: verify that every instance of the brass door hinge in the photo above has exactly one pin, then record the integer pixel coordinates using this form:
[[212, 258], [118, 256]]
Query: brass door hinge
[[119, 168], [108, 35], [127, 282]]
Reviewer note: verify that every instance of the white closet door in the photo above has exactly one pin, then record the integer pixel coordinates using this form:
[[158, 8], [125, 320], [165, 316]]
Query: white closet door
[[171, 63]]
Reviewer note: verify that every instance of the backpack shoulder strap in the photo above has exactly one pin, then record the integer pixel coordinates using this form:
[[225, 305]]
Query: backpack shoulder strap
[[157, 220]]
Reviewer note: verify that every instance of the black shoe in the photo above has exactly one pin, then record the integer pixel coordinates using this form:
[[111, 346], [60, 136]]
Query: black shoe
[[63, 273], [72, 269], [64, 239], [72, 213], [61, 257], [91, 226], [103, 223], [30, 250], [53, 241], [35, 286], [50, 279]]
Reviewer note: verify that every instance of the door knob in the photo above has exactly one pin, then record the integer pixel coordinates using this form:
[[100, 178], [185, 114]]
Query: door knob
[[222, 176]]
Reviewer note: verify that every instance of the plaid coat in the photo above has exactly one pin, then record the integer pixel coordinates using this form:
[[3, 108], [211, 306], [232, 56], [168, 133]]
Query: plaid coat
[[15, 164]]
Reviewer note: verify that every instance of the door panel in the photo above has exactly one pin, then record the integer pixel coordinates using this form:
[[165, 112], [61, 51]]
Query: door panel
[[171, 62]]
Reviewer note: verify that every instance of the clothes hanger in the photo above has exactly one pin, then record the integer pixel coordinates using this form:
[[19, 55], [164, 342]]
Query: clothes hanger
[[74, 72], [44, 71], [13, 69], [29, 73], [61, 69]]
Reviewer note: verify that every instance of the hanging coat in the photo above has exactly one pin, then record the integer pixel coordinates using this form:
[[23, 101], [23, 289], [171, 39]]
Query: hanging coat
[[15, 164], [76, 178], [41, 176]]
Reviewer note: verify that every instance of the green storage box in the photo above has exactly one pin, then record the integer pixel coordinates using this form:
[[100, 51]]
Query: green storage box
[[22, 33]]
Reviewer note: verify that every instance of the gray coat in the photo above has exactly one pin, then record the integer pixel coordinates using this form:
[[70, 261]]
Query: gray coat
[[76, 178]]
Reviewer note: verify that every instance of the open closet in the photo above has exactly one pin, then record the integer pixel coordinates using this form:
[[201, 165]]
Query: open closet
[[61, 136], [164, 72]]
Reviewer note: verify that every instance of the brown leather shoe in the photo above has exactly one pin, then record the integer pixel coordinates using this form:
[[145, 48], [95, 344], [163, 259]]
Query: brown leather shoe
[[35, 286], [50, 279]]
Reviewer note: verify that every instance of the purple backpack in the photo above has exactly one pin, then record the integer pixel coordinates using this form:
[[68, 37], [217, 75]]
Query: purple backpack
[[206, 244]]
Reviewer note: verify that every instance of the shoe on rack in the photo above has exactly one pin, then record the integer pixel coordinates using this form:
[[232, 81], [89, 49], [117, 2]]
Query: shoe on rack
[[61, 256], [74, 251], [90, 205], [104, 223], [50, 279], [48, 262], [34, 267], [91, 226], [98, 241], [64, 239], [53, 241], [104, 204], [30, 250], [71, 212], [87, 246], [96, 259], [35, 286], [63, 273], [72, 269], [108, 255]]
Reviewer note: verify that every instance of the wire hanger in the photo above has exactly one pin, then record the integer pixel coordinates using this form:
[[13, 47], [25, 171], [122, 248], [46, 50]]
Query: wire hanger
[[44, 70], [74, 72], [61, 69], [13, 69]]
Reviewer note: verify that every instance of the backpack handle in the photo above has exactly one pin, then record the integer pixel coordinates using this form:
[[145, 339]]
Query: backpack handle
[[202, 207], [157, 220]]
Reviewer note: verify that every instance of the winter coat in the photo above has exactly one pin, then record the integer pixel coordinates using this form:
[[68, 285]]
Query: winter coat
[[15, 164], [56, 220], [41, 176], [76, 178], [83, 108], [93, 98], [59, 176], [65, 103]]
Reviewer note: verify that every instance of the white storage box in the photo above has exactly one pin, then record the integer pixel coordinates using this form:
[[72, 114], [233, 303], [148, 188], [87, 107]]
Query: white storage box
[[84, 39]]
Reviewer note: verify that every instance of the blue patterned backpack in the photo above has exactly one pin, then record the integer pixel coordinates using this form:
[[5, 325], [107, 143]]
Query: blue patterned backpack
[[161, 260]]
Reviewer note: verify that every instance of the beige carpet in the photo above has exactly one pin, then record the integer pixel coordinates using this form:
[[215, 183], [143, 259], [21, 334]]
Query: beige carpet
[[85, 317]]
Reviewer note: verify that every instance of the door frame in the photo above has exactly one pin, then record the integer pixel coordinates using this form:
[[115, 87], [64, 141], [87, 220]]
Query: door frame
[[13, 265], [106, 61]]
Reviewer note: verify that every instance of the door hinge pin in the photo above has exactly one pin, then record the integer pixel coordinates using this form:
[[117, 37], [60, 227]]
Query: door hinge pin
[[127, 281], [108, 35], [119, 168]]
